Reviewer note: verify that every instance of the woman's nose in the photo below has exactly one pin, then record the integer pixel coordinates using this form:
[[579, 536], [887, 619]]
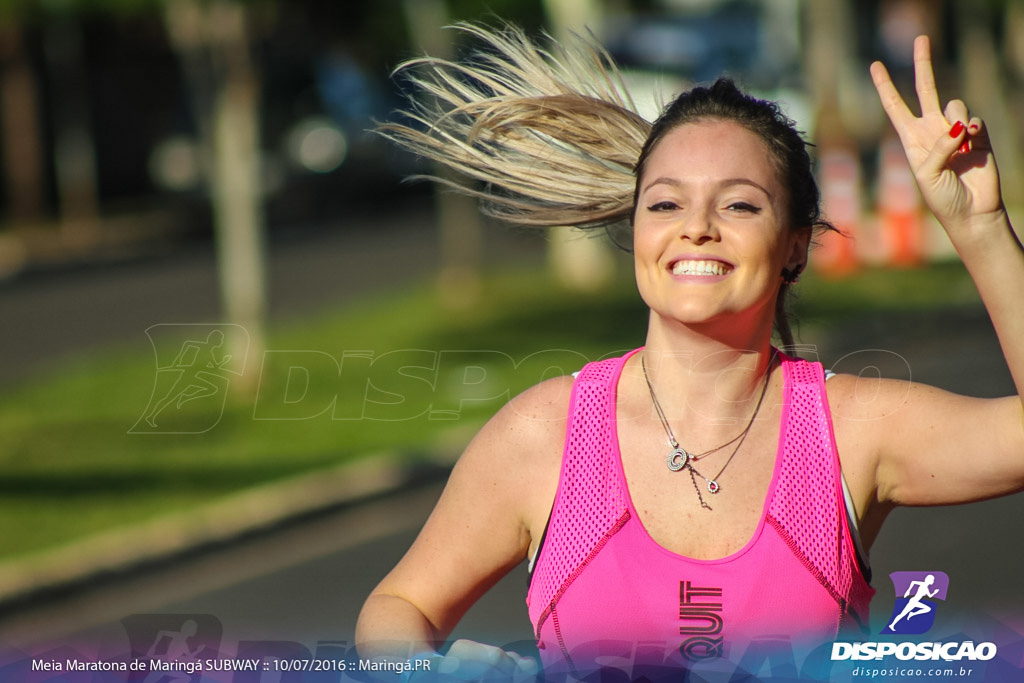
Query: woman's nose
[[698, 226]]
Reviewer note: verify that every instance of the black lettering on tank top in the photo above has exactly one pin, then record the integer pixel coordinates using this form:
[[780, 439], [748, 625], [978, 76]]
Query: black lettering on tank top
[[700, 614]]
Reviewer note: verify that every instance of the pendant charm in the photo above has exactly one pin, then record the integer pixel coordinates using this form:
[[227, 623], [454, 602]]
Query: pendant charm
[[713, 486], [678, 459]]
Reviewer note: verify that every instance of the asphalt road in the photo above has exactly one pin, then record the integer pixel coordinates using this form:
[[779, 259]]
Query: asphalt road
[[301, 586], [67, 313]]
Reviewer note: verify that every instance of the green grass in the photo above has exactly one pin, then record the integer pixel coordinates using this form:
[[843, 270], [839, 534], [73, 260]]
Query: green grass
[[72, 466], [832, 301]]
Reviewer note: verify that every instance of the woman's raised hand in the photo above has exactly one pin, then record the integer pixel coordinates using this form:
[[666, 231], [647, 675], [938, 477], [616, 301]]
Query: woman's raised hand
[[949, 153], [921, 440]]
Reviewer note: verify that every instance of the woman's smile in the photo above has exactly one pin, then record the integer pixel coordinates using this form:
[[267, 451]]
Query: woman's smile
[[700, 268]]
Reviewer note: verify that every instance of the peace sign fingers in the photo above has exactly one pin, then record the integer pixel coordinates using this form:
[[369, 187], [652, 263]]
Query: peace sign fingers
[[892, 101], [948, 149], [924, 77], [917, 134]]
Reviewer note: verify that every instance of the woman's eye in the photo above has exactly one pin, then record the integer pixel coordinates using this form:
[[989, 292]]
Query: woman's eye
[[663, 206], [745, 207]]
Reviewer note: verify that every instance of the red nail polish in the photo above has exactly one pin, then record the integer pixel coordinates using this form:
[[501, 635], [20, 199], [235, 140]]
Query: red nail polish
[[965, 147], [973, 127], [957, 128]]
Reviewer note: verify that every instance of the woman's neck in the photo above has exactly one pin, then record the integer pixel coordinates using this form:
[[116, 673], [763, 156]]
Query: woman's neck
[[695, 375]]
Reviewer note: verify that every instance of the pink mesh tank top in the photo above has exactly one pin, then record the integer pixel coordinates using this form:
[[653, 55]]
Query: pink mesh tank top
[[604, 594]]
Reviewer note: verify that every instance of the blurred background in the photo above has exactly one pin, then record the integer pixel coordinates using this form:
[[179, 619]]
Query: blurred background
[[133, 127], [198, 177]]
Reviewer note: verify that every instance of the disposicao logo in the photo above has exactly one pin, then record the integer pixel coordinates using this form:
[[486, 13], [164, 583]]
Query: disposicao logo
[[916, 593], [914, 614]]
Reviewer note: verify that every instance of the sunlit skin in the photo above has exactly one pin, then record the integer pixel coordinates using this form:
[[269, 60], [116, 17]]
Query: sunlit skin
[[710, 193]]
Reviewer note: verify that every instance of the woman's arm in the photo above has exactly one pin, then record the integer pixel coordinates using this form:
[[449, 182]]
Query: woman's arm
[[925, 446], [495, 504], [952, 159]]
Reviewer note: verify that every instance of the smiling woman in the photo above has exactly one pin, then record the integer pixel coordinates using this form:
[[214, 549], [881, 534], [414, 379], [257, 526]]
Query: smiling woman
[[704, 503]]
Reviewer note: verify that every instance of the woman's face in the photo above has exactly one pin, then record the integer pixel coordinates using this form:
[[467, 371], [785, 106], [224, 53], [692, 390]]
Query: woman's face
[[711, 234]]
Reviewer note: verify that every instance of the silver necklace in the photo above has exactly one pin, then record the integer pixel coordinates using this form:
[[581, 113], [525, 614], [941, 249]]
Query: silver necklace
[[681, 459]]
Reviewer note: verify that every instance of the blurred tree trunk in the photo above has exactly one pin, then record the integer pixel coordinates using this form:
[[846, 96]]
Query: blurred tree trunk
[[983, 80], [212, 41], [74, 148], [576, 259], [831, 71], [459, 224], [19, 123]]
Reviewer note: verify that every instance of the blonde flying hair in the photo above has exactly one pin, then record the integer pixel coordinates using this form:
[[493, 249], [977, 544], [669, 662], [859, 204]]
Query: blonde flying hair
[[544, 137], [550, 136]]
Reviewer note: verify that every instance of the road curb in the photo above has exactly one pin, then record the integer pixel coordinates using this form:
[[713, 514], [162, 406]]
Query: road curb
[[230, 518]]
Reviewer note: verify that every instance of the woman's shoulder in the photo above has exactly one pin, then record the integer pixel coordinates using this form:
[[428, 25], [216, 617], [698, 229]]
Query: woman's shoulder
[[865, 398], [516, 457], [863, 408], [542, 411], [536, 417]]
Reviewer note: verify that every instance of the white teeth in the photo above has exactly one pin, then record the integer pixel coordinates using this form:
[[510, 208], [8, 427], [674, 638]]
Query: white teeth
[[700, 268]]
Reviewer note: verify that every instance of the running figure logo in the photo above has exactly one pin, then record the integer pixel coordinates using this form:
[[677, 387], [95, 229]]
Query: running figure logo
[[914, 612], [194, 373], [172, 645]]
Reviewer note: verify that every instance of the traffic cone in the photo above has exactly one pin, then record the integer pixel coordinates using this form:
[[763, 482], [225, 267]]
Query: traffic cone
[[836, 254], [899, 208]]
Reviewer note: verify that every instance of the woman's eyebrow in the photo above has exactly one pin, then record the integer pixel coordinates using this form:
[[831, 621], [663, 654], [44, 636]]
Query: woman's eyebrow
[[675, 182]]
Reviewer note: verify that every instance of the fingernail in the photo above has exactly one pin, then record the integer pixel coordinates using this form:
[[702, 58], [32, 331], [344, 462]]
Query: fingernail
[[957, 128], [965, 147], [973, 127]]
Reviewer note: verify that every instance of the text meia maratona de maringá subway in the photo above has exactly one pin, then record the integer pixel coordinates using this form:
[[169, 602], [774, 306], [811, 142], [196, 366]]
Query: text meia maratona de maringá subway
[[159, 665]]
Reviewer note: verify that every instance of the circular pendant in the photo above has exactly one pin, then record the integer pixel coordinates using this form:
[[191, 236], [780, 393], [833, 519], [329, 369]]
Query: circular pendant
[[678, 459], [713, 486]]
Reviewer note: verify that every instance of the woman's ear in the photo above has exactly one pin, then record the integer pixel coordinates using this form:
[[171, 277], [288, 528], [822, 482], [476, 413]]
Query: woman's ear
[[800, 242]]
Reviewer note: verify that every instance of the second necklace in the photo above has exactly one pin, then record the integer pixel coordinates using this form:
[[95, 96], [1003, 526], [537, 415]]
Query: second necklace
[[680, 459]]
